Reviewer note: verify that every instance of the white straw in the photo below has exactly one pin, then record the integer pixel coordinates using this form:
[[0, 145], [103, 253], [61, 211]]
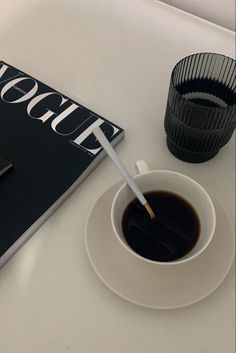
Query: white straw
[[119, 165]]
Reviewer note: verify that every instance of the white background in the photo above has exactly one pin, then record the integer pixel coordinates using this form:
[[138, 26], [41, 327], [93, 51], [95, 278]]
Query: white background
[[221, 12]]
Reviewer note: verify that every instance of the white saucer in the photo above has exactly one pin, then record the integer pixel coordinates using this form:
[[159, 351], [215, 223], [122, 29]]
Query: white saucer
[[156, 286]]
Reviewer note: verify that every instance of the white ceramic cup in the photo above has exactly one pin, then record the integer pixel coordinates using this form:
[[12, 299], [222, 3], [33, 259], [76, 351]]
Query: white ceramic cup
[[180, 184]]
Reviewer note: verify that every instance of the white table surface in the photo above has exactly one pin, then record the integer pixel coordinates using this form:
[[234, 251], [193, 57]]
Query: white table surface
[[115, 56]]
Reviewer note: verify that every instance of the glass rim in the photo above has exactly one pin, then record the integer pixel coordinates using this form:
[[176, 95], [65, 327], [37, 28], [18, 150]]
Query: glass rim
[[220, 109]]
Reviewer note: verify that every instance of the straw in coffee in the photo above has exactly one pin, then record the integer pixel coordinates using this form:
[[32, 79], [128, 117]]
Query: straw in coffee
[[123, 171]]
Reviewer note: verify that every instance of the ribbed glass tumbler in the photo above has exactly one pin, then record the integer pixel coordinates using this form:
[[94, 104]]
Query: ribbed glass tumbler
[[201, 107]]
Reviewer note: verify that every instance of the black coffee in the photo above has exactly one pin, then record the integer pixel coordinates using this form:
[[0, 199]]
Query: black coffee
[[171, 235]]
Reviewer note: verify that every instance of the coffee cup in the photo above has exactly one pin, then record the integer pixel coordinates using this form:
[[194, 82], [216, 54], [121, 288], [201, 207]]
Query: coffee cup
[[171, 182]]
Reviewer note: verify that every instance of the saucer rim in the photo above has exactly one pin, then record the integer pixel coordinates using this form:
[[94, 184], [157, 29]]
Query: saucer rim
[[140, 303]]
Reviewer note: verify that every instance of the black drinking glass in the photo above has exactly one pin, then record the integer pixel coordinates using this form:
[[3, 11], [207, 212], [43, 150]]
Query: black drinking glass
[[201, 107]]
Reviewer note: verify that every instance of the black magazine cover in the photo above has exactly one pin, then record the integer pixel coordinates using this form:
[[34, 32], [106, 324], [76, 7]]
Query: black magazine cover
[[46, 149]]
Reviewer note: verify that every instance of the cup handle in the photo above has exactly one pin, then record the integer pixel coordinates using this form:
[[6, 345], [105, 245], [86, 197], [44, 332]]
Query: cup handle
[[141, 167]]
